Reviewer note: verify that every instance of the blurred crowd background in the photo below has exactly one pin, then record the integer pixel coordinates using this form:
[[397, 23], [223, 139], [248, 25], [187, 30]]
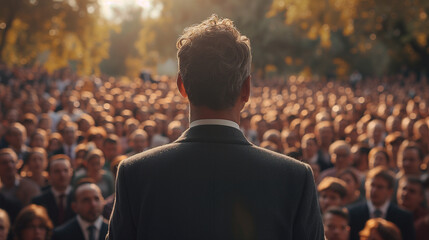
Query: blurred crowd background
[[343, 129]]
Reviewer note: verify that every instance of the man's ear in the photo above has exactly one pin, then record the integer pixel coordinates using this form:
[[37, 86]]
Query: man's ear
[[180, 86], [245, 90]]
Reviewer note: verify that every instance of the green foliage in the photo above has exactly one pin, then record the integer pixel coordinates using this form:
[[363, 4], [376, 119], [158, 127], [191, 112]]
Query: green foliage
[[65, 30], [124, 58]]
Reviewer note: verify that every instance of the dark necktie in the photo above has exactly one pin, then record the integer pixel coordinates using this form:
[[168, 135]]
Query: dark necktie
[[61, 210], [377, 213], [91, 232]]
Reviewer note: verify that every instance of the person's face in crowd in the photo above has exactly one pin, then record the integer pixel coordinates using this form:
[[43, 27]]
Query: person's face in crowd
[[393, 148], [409, 195], [84, 125], [310, 147], [4, 229], [326, 135], [150, 130], [37, 163], [336, 227], [12, 116], [89, 202], [38, 140], [69, 135], [342, 158], [110, 150], [378, 191], [377, 133], [352, 185], [291, 139], [7, 166], [44, 124], [54, 144], [36, 230], [60, 174], [379, 159], [329, 198], [131, 128], [410, 161], [15, 138], [94, 165], [139, 143]]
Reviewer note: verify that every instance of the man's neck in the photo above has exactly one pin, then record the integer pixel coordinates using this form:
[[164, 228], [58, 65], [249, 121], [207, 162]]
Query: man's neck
[[201, 112]]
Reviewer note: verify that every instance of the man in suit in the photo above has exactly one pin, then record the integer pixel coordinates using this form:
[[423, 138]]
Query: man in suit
[[88, 224], [212, 183], [57, 199], [379, 186]]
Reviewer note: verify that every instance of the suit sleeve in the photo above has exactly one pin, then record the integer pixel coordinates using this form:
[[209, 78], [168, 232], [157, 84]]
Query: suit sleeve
[[308, 221], [121, 225]]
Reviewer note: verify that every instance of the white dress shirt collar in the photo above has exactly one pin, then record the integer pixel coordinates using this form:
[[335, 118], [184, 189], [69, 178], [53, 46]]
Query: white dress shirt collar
[[383, 208], [84, 226], [222, 122]]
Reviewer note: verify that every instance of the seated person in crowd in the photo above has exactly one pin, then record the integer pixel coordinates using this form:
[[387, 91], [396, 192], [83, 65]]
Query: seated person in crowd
[[332, 192], [410, 158], [410, 196], [88, 223], [94, 163], [380, 229], [336, 224], [13, 186], [351, 178], [379, 186], [340, 156], [57, 199], [36, 165]]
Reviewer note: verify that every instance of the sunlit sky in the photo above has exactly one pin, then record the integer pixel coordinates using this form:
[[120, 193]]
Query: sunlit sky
[[149, 10]]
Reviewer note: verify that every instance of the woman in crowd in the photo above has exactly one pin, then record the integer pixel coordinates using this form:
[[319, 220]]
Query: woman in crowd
[[36, 165], [33, 223]]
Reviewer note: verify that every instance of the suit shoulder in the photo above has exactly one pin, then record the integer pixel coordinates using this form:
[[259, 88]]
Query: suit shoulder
[[148, 154], [275, 158]]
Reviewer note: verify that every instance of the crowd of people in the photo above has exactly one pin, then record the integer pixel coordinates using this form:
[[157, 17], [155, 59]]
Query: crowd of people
[[63, 137]]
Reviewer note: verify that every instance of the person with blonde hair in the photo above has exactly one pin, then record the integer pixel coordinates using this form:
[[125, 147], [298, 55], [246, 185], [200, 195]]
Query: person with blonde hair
[[380, 229]]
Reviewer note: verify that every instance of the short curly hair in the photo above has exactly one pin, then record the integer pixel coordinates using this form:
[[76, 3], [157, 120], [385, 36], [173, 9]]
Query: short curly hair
[[214, 61]]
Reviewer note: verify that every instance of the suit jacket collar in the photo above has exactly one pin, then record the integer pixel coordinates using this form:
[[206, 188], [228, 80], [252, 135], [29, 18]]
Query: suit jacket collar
[[213, 134]]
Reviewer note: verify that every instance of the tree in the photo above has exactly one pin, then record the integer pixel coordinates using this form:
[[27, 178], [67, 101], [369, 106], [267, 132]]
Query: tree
[[391, 30], [63, 30]]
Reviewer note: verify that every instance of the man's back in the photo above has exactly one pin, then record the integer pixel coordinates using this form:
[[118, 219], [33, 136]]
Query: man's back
[[213, 184]]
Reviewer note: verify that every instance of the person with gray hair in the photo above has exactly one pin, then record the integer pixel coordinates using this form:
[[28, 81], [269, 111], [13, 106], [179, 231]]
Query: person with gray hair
[[212, 182]]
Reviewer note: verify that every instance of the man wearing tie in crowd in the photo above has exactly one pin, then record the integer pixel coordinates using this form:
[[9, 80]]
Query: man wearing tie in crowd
[[57, 199], [212, 183], [88, 224], [379, 189]]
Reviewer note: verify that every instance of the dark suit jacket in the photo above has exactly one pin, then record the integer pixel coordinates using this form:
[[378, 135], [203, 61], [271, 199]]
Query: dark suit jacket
[[213, 184], [359, 214], [47, 200], [72, 231]]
